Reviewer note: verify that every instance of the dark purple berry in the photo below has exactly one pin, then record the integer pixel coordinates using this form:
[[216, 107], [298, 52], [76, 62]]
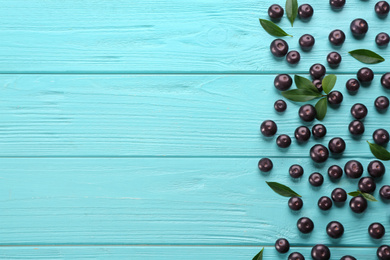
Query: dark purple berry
[[352, 85], [295, 171], [356, 127], [337, 37], [318, 130], [382, 103], [265, 165], [335, 172], [359, 111], [381, 136], [268, 128], [282, 245], [376, 230], [339, 195], [318, 84], [306, 42], [382, 39], [296, 256], [279, 48], [295, 203], [317, 71], [302, 134], [280, 105], [283, 141], [376, 169], [319, 153], [358, 204], [353, 169], [334, 59], [336, 145], [275, 11], [335, 229], [367, 185], [307, 113], [384, 192], [359, 27], [365, 75], [383, 252], [305, 11], [347, 257], [325, 203], [316, 179], [305, 225], [382, 8], [320, 252], [335, 97], [385, 80], [337, 3], [293, 57], [283, 82]]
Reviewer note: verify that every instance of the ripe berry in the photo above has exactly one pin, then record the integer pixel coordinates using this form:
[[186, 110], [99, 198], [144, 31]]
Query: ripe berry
[[339, 195], [316, 179], [305, 225], [282, 245], [275, 11], [337, 3], [295, 171], [305, 11], [318, 84], [280, 105], [337, 37], [268, 128], [336, 145], [356, 127], [317, 71], [335, 172], [296, 256], [318, 130], [334, 59], [335, 97], [359, 27], [325, 203], [279, 47], [359, 111], [384, 192], [283, 82], [265, 165], [383, 252], [302, 134], [320, 252], [319, 153], [348, 257], [306, 42], [353, 169], [358, 204], [376, 169], [382, 103], [295, 203], [335, 229], [376, 230], [293, 57], [307, 113], [382, 8], [381, 136], [365, 75], [382, 39], [283, 141], [367, 185], [352, 85], [385, 80]]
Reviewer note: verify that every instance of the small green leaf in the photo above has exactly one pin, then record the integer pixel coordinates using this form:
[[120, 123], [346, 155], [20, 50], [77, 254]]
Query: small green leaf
[[354, 193], [328, 83], [304, 83], [273, 29], [282, 189], [379, 152], [291, 10], [368, 196], [259, 255], [321, 108], [300, 95], [366, 56]]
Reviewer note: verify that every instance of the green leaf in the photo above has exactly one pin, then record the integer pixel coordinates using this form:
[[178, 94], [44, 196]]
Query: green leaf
[[328, 83], [259, 255], [304, 83], [291, 10], [273, 29], [368, 196], [379, 152], [366, 56], [321, 108], [300, 95], [354, 193], [282, 189]]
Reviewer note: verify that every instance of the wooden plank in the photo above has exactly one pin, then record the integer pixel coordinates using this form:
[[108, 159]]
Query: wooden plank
[[177, 115], [167, 36], [170, 201], [182, 252]]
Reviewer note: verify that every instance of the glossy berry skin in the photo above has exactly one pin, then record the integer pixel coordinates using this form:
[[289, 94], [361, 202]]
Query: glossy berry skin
[[336, 145], [302, 134], [335, 229], [283, 141], [376, 230], [275, 11], [353, 169], [383, 252], [305, 11], [382, 8], [376, 169], [384, 192], [359, 111], [381, 136], [283, 82], [352, 85], [316, 179], [339, 195], [335, 172], [334, 59], [318, 84], [367, 185], [318, 130], [356, 127], [347, 257], [358, 204], [282, 245], [317, 71], [296, 256], [306, 42], [305, 225], [382, 39], [307, 113], [293, 57], [320, 252], [265, 165], [325, 203], [279, 48], [295, 203], [335, 97], [385, 80], [359, 27], [280, 105], [319, 153], [382, 103], [336, 4], [268, 128], [337, 37], [365, 75], [295, 171]]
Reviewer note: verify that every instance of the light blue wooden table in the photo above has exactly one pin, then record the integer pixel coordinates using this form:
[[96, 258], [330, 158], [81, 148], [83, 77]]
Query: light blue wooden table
[[130, 130]]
